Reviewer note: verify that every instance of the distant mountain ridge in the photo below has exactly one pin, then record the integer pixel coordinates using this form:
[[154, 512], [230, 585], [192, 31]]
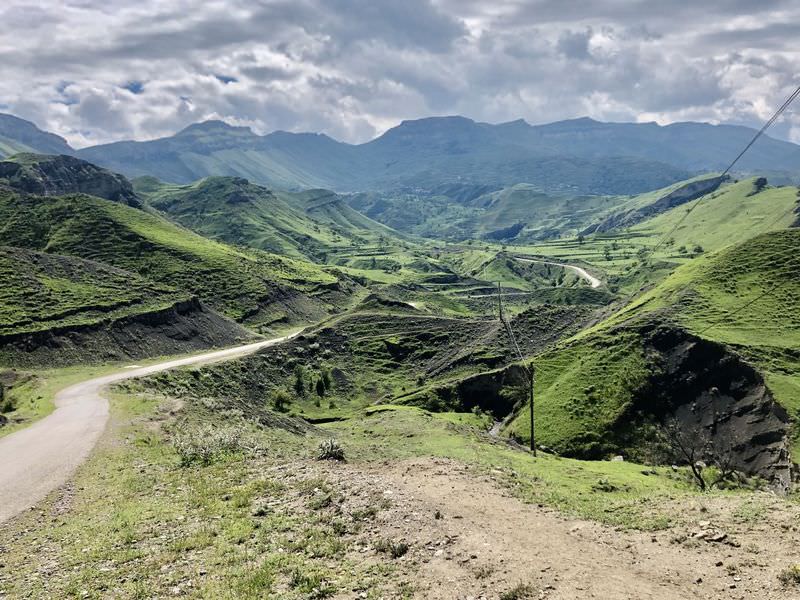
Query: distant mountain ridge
[[19, 135], [578, 156]]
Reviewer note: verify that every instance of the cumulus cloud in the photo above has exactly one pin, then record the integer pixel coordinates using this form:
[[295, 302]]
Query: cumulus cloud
[[102, 70]]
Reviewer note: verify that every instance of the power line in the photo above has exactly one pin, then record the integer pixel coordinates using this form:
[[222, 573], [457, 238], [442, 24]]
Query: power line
[[758, 134]]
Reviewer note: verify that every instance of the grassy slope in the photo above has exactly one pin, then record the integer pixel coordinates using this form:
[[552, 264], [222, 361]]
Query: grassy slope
[[731, 214], [583, 386], [42, 292], [9, 147], [438, 216], [307, 224], [710, 297], [544, 215], [140, 524], [240, 283]]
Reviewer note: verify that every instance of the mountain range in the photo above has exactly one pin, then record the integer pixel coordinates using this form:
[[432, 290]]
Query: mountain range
[[579, 156]]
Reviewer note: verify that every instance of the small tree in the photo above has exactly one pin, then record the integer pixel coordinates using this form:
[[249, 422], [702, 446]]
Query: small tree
[[280, 400], [326, 379], [581, 238], [299, 380], [320, 388], [696, 446]]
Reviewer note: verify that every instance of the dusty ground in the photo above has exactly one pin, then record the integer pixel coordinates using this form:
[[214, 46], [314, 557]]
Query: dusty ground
[[469, 538]]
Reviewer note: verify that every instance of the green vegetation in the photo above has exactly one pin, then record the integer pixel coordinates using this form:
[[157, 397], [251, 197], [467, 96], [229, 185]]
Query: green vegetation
[[43, 292], [731, 214], [247, 285], [302, 225], [143, 521], [790, 576], [564, 484], [57, 175], [522, 212], [743, 296], [582, 392]]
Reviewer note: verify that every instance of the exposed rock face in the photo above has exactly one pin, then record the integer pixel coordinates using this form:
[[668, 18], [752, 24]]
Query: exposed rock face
[[187, 326], [682, 195], [708, 388], [497, 392], [58, 175]]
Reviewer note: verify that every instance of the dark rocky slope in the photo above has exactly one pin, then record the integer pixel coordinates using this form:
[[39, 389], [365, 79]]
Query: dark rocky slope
[[46, 175], [187, 326]]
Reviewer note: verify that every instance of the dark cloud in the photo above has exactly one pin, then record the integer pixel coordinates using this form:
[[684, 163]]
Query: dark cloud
[[98, 70], [575, 44]]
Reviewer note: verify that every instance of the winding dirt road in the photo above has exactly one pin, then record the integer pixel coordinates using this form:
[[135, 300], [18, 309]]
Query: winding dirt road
[[582, 273], [42, 457]]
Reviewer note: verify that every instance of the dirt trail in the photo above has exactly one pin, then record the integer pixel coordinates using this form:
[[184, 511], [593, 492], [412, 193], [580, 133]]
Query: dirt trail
[[582, 273], [487, 542], [42, 457]]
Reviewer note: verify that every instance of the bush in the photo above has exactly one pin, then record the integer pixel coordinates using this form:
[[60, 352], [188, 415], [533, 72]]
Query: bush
[[280, 400], [518, 592], [205, 444], [330, 450], [395, 549], [790, 575]]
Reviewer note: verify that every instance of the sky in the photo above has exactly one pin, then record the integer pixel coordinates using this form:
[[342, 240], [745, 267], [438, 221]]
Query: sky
[[96, 71]]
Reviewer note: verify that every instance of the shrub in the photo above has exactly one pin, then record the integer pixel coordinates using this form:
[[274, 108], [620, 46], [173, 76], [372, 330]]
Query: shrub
[[790, 575], [326, 379], [280, 400], [205, 444], [518, 592], [395, 549], [330, 450]]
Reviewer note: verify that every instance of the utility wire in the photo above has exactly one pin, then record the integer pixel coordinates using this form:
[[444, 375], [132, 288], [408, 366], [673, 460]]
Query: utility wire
[[727, 170], [758, 134]]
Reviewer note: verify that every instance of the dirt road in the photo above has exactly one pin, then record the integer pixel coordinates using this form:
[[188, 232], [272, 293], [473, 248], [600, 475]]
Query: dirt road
[[470, 538], [582, 273], [42, 457]]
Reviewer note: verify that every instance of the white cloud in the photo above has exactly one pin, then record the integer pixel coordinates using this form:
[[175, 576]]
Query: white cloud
[[352, 68]]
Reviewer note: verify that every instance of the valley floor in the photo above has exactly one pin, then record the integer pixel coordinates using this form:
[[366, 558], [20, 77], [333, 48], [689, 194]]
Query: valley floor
[[269, 521]]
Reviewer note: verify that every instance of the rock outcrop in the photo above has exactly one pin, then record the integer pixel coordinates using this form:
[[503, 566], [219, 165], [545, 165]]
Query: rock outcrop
[[46, 175], [709, 389], [682, 195]]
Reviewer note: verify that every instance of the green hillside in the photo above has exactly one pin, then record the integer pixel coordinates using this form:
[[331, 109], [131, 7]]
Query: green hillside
[[304, 225], [733, 213], [744, 297], [9, 147], [521, 213], [247, 285], [46, 291]]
